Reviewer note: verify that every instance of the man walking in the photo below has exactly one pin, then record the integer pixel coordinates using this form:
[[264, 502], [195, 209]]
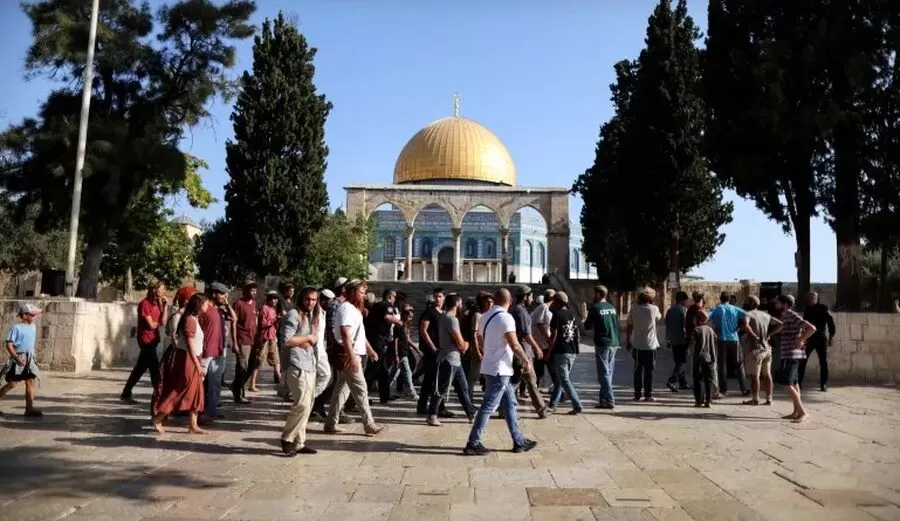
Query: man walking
[[818, 315], [677, 340], [212, 323], [384, 318], [604, 321], [532, 350], [729, 359], [564, 342], [245, 329], [449, 360], [540, 330], [151, 312], [298, 336], [497, 331], [428, 344]]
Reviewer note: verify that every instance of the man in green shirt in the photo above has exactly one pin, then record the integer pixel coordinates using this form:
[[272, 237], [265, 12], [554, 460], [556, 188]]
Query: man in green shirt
[[604, 321]]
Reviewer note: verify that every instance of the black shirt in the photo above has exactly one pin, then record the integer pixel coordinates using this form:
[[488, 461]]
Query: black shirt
[[431, 314], [819, 316], [566, 328], [378, 319]]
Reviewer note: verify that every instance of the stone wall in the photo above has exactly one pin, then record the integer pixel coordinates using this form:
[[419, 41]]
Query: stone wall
[[866, 350], [78, 336]]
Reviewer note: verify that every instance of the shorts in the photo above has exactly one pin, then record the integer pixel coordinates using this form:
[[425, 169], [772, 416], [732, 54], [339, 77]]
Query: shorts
[[790, 370], [268, 351], [757, 362]]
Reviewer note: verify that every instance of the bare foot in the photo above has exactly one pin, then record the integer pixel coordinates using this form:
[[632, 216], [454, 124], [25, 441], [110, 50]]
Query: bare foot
[[253, 389], [196, 430], [791, 416], [800, 419], [159, 427]]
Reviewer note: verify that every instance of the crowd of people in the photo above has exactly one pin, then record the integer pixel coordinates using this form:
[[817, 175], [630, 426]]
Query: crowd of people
[[332, 347]]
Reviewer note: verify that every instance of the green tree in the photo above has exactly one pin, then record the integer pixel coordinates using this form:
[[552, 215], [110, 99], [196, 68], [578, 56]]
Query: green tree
[[216, 260], [155, 75], [765, 129], [325, 262], [24, 249], [652, 151], [276, 198]]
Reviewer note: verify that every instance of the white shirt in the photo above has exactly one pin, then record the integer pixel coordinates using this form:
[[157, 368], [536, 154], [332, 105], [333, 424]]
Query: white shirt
[[643, 319], [498, 356], [540, 315], [348, 315]]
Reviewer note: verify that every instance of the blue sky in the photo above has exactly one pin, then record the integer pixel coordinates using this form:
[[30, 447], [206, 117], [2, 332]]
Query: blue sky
[[535, 73]]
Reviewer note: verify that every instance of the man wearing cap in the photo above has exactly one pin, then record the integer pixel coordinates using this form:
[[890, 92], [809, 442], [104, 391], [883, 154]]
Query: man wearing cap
[[330, 345], [245, 328], [212, 322], [564, 342], [532, 349], [22, 366], [285, 299], [152, 310], [540, 330], [266, 346]]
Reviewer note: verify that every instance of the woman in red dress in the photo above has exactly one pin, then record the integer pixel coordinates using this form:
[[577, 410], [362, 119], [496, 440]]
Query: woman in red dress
[[181, 374]]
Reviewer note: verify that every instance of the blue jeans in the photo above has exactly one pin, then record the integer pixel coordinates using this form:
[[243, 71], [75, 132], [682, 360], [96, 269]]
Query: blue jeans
[[497, 393], [403, 368], [447, 375], [606, 366], [562, 365], [213, 386]]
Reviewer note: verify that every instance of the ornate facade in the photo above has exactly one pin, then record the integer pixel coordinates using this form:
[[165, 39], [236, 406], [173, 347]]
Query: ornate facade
[[455, 213]]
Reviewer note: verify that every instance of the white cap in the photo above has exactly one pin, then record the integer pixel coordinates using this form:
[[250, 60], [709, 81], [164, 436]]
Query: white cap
[[327, 293]]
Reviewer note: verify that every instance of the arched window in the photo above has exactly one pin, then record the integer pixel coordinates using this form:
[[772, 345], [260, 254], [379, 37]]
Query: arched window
[[576, 258], [390, 249], [426, 248], [490, 249], [542, 255], [471, 248]]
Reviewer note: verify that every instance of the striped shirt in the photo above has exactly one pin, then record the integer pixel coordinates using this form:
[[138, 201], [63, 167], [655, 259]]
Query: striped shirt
[[790, 331]]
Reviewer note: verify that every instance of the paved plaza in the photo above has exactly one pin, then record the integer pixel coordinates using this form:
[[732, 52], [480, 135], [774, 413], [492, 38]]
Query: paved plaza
[[94, 458]]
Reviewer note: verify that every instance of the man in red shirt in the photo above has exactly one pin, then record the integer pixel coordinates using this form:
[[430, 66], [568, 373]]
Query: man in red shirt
[[266, 347], [152, 312], [245, 333]]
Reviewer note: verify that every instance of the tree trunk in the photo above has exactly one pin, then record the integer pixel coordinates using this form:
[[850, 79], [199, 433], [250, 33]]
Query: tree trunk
[[846, 210], [129, 283], [89, 277], [801, 234]]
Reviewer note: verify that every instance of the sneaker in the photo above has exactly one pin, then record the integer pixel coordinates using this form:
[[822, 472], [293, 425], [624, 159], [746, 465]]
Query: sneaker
[[288, 448], [306, 449], [823, 389], [605, 405], [706, 405], [476, 450], [574, 412], [33, 413], [768, 401], [698, 404], [637, 398], [650, 399], [525, 447]]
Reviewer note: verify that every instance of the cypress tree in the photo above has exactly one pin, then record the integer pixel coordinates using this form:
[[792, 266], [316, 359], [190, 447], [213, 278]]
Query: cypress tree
[[276, 198]]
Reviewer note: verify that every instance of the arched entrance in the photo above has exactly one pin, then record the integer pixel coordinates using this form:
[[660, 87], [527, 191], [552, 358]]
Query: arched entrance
[[445, 264]]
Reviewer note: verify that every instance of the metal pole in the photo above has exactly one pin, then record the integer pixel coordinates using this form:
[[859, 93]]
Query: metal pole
[[82, 144]]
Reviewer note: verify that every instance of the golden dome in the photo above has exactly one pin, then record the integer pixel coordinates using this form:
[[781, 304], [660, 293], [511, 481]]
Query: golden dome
[[458, 149]]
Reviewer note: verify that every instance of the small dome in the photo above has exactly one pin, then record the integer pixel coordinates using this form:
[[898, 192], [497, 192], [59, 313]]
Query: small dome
[[455, 149]]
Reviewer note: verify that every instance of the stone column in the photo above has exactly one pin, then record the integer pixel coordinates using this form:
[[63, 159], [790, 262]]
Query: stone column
[[504, 254], [457, 256], [434, 269], [394, 275], [410, 233], [471, 271]]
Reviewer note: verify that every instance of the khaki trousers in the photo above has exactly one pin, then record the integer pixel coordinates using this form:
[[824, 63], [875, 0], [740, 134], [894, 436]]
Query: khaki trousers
[[350, 383], [303, 389]]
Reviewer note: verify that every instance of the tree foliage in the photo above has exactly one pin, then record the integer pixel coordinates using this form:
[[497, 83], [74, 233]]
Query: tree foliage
[[24, 249], [154, 76], [339, 249], [215, 257], [651, 205], [276, 198]]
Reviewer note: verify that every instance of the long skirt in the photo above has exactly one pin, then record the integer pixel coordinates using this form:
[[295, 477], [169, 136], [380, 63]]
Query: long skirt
[[180, 386]]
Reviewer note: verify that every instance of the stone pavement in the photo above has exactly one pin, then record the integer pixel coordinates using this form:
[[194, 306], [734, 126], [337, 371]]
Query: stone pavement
[[93, 458]]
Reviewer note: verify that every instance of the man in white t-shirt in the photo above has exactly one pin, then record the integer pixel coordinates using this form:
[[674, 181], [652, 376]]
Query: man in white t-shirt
[[497, 335], [350, 336]]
